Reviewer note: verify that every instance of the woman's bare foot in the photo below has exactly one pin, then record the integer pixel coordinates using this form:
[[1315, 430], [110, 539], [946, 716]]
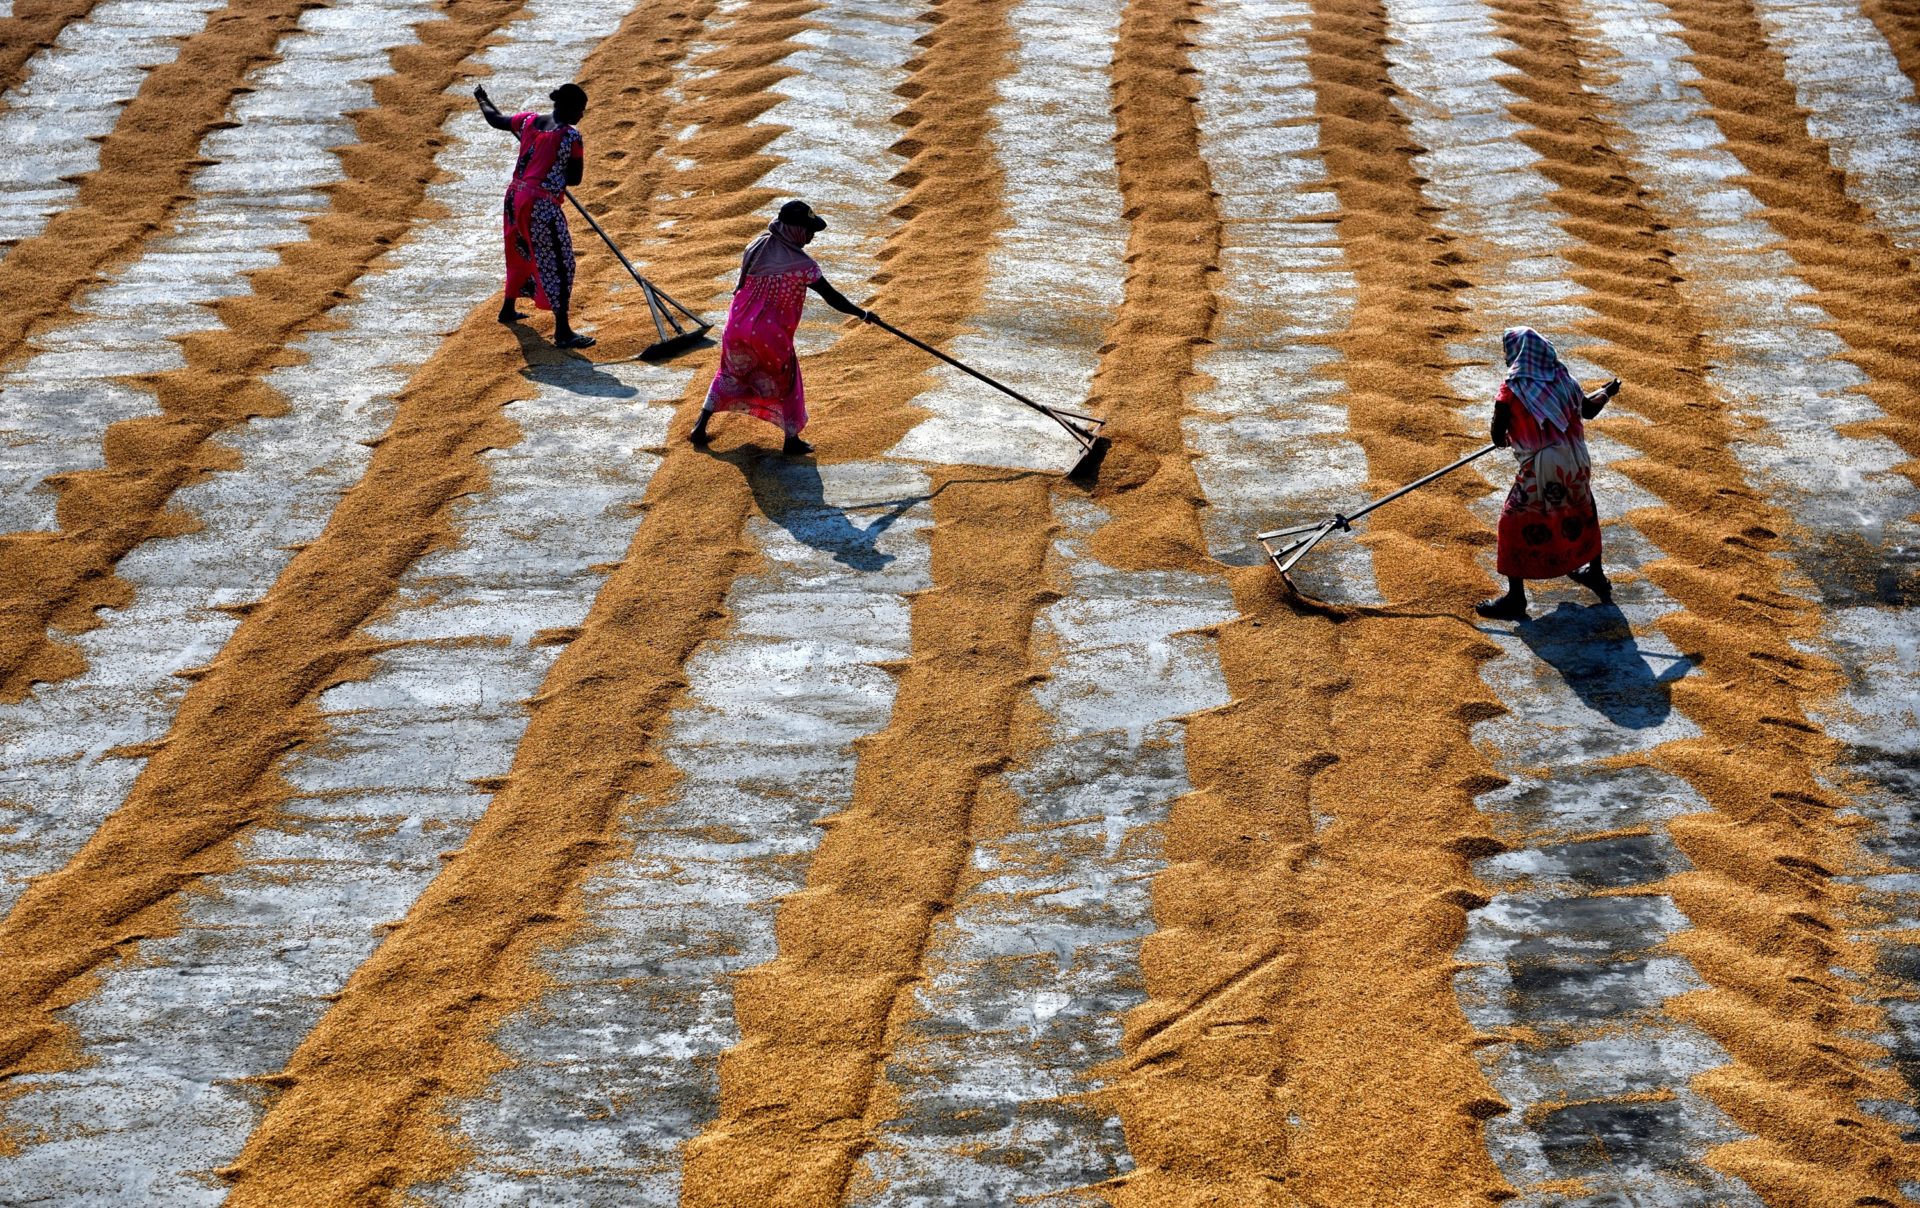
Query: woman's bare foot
[[574, 339], [509, 315], [795, 447], [700, 436]]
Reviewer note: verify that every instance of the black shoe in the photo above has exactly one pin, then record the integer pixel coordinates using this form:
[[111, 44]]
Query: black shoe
[[1502, 608]]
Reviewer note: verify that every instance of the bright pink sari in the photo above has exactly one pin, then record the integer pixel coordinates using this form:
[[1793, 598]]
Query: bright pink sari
[[759, 372]]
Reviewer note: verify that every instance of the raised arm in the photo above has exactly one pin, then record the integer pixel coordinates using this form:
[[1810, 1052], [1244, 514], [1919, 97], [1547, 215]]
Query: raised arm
[[576, 159], [1596, 399], [834, 298], [493, 116]]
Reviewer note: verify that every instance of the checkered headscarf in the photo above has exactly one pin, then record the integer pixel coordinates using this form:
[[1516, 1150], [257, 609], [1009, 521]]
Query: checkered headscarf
[[1539, 380]]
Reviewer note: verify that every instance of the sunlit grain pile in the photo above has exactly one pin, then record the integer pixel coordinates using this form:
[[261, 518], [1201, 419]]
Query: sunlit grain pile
[[427, 777]]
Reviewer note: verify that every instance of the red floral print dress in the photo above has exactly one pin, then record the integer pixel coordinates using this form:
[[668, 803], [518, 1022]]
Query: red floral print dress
[[1549, 526]]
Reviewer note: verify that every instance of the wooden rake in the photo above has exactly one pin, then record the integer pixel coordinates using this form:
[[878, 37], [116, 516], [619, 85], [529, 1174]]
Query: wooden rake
[[1286, 546]]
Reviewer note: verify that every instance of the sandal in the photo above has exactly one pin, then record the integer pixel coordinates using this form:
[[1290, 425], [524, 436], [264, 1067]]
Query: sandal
[[576, 340]]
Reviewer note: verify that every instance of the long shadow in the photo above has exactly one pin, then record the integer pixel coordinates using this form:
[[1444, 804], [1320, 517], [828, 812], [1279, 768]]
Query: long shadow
[[1594, 650], [792, 494], [550, 366]]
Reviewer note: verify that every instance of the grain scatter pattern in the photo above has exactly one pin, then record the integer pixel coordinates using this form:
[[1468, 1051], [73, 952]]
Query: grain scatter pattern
[[1055, 263], [144, 165], [762, 745], [1808, 439], [1586, 691], [1271, 400], [367, 820], [94, 373], [1847, 79], [70, 96], [997, 1080]]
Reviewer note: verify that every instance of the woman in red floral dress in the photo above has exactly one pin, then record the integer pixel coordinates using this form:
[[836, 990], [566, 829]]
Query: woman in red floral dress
[[759, 372], [1549, 526]]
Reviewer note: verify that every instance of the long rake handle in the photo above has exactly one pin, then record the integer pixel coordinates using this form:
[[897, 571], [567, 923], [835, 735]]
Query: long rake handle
[[1052, 413], [606, 238], [1421, 482], [1343, 521]]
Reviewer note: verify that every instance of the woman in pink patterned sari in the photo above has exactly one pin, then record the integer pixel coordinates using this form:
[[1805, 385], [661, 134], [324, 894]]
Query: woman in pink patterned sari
[[539, 248], [759, 372], [1550, 525]]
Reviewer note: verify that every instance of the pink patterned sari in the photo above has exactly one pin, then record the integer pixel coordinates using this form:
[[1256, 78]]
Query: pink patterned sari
[[759, 372]]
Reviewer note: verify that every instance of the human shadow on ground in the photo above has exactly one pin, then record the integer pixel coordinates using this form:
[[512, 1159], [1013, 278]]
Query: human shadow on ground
[[791, 493], [565, 369], [1595, 652]]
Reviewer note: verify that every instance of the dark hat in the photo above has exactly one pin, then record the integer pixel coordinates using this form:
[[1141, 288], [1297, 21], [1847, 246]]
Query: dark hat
[[569, 96], [800, 214]]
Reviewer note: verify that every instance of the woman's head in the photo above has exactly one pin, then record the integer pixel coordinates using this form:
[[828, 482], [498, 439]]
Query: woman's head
[[1524, 343], [569, 103], [801, 222]]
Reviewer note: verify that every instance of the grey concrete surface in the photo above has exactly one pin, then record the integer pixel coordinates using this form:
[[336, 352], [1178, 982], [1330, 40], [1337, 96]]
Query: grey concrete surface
[[55, 407], [1587, 688], [233, 993], [1856, 536], [1268, 429], [1057, 269], [617, 1067], [1845, 76], [71, 96]]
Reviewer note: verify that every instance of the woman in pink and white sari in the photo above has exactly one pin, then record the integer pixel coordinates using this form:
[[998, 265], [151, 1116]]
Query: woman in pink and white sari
[[759, 371]]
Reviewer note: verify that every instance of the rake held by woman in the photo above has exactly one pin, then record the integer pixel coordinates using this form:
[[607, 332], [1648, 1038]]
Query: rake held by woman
[[539, 247], [759, 371], [1549, 526]]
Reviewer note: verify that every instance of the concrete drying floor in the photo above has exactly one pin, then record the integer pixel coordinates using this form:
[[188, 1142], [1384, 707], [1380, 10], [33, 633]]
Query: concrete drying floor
[[425, 777]]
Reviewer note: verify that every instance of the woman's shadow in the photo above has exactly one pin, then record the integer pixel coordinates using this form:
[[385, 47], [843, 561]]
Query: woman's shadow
[[791, 493], [1595, 652]]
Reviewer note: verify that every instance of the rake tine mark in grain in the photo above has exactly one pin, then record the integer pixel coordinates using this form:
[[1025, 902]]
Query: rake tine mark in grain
[[558, 817], [145, 164], [30, 28], [266, 186], [1050, 247], [815, 1021], [1866, 284], [1793, 1025], [1331, 811], [1027, 975], [1846, 78], [286, 926], [1579, 976], [330, 216], [73, 91], [212, 777], [618, 1060], [1267, 426]]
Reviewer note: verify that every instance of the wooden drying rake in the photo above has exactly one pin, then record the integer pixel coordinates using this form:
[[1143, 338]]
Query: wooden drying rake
[[1300, 539]]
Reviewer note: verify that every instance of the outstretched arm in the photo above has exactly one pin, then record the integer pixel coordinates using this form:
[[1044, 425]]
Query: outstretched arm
[[1596, 399], [834, 298], [493, 116]]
